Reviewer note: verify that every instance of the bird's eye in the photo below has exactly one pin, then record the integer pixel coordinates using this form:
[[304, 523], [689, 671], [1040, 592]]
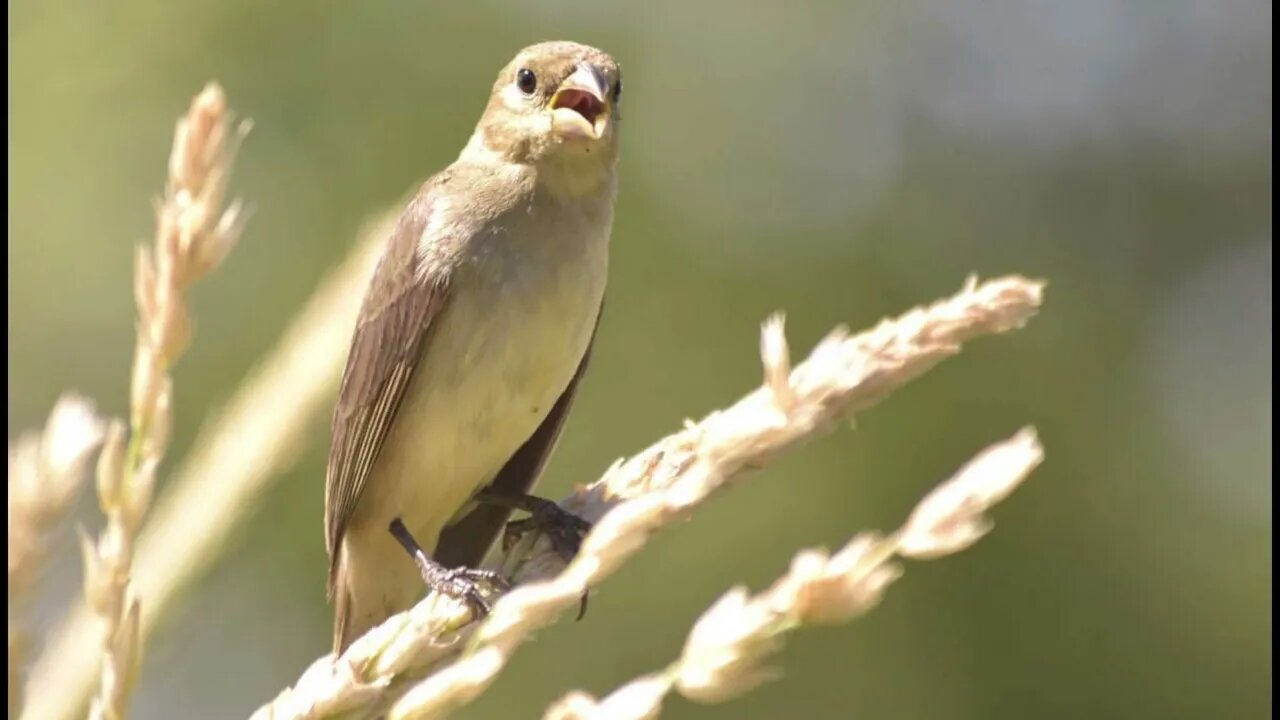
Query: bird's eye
[[617, 91], [526, 81]]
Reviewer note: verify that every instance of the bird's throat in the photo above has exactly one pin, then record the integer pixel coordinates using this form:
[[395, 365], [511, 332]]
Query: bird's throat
[[568, 172]]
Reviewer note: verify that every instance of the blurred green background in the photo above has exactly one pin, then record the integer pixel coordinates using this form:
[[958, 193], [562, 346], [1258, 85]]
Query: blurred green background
[[839, 161]]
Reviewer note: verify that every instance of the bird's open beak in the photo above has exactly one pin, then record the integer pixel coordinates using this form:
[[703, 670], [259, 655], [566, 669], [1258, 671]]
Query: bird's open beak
[[580, 107]]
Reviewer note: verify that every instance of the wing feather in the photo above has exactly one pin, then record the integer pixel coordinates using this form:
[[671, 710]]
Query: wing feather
[[395, 319]]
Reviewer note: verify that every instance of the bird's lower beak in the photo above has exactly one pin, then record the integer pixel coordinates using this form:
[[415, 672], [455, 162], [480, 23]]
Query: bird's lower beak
[[580, 107]]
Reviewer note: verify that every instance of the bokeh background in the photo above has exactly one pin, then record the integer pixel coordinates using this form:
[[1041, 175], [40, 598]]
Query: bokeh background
[[839, 161]]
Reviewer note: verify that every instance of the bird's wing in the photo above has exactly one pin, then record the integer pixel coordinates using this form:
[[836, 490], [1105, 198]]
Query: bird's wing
[[394, 321], [465, 543]]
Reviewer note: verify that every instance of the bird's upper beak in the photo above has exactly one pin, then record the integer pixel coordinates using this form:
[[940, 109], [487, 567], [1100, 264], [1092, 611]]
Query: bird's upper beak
[[580, 107]]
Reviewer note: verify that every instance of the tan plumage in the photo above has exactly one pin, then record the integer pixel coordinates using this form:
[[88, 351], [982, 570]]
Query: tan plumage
[[474, 332]]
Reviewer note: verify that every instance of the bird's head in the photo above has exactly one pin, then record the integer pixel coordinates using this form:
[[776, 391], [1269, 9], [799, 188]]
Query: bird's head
[[555, 106]]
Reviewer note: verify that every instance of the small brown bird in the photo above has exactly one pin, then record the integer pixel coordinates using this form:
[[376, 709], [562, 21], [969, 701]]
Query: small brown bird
[[473, 335]]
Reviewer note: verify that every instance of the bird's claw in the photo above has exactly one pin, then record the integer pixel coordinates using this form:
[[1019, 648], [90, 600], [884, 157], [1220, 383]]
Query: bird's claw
[[564, 529], [466, 584]]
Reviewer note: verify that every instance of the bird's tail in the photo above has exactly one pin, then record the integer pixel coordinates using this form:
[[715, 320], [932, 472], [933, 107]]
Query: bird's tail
[[340, 594], [372, 579], [350, 621]]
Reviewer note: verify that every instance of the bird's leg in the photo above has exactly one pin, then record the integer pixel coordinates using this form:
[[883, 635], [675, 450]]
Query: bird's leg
[[463, 583], [564, 529]]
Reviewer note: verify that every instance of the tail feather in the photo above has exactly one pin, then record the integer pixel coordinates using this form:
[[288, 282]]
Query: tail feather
[[340, 594], [378, 582], [349, 620]]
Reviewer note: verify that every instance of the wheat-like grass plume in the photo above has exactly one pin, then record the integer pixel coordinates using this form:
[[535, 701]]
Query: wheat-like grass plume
[[235, 458], [194, 233], [45, 471], [844, 374], [725, 653]]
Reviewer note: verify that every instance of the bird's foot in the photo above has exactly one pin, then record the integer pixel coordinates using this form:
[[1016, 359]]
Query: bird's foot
[[466, 584], [564, 529]]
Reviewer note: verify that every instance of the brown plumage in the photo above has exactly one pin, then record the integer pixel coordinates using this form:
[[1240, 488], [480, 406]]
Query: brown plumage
[[474, 333]]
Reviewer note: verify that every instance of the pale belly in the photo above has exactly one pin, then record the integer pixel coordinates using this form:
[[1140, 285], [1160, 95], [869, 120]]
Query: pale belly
[[489, 378]]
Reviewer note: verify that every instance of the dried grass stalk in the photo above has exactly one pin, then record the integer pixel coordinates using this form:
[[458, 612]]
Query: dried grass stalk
[[45, 471], [193, 235], [726, 650], [843, 375], [238, 454]]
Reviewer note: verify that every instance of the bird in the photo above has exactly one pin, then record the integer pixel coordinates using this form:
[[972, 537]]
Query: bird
[[473, 335]]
